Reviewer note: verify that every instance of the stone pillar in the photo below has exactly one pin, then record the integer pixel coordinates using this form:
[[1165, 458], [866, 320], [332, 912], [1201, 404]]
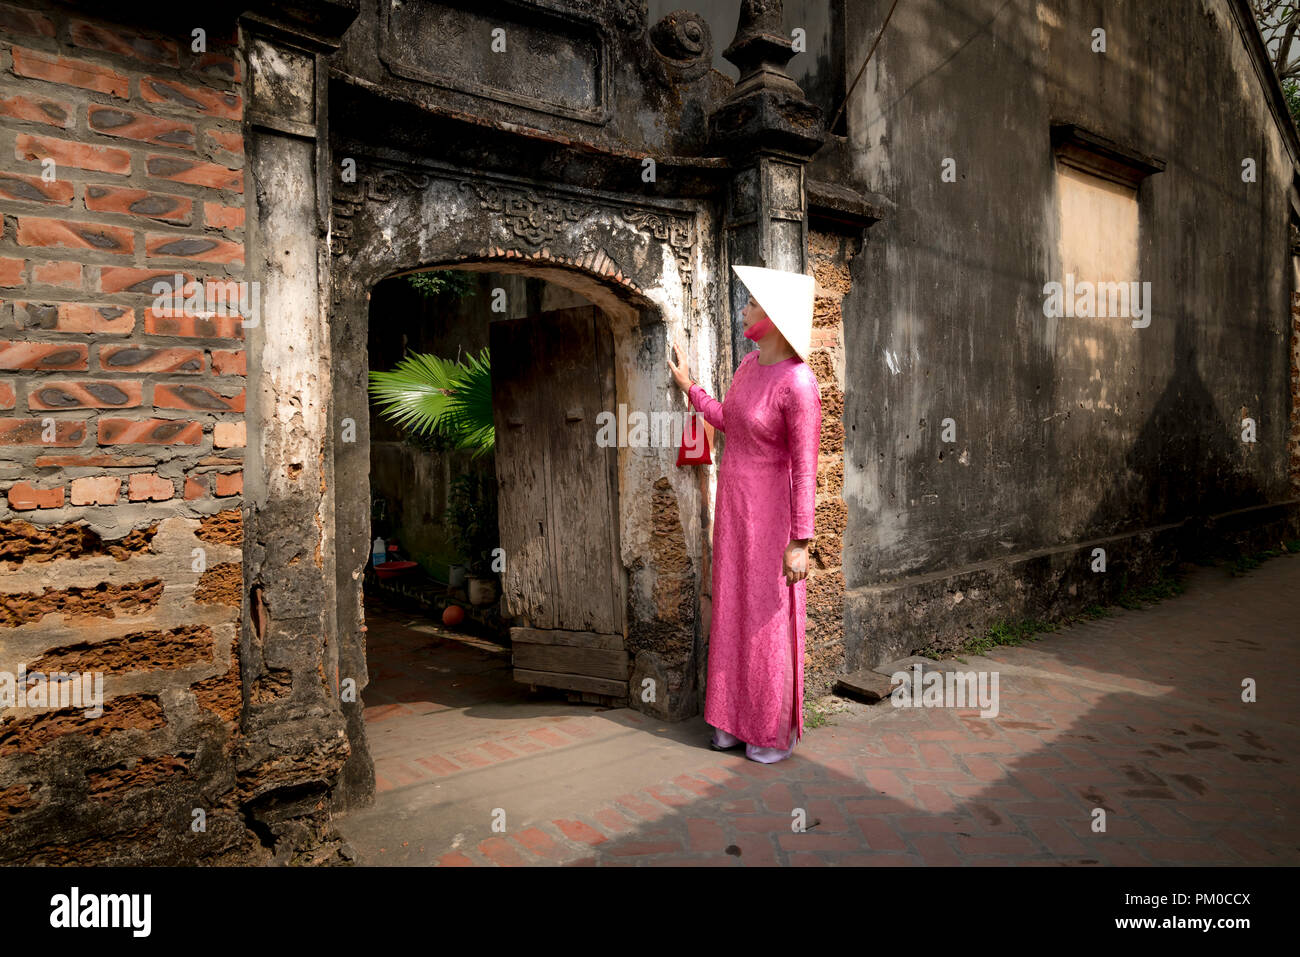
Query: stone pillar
[[294, 744], [770, 131]]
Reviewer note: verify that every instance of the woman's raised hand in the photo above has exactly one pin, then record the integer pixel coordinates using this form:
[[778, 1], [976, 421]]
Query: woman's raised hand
[[795, 562], [680, 369]]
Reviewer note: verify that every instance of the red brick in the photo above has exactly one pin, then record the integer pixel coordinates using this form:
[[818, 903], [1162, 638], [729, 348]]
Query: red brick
[[16, 20], [995, 844], [200, 99], [33, 189], [78, 73], [229, 363], [225, 140], [74, 317], [57, 274], [59, 356], [94, 461], [37, 109], [218, 64], [101, 490], [130, 279], [202, 327], [105, 159], [139, 202], [222, 217], [6, 395], [197, 398], [72, 235], [147, 487], [196, 486], [640, 848], [158, 130], [189, 246], [32, 432], [124, 43], [230, 483], [180, 169], [581, 832], [612, 820], [455, 859], [23, 497], [149, 432], [501, 852], [539, 842], [150, 359], [84, 395], [11, 271]]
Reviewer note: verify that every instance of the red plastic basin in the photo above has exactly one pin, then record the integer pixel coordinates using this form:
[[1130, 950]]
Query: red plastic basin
[[393, 569]]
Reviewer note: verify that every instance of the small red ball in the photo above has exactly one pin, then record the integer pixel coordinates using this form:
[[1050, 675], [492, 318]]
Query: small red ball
[[453, 615]]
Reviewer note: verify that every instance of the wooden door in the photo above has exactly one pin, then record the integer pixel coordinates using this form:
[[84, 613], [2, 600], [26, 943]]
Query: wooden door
[[558, 500]]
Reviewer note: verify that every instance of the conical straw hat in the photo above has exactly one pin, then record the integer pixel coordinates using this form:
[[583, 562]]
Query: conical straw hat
[[787, 298]]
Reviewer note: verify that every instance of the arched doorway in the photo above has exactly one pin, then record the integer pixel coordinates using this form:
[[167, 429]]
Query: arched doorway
[[552, 632], [635, 266]]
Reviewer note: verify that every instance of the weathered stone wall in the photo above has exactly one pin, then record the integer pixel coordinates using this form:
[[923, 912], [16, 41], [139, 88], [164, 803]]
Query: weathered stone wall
[[1071, 434], [121, 435], [829, 255]]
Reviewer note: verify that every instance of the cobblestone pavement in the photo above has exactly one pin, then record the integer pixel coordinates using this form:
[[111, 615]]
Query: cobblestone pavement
[[1138, 714]]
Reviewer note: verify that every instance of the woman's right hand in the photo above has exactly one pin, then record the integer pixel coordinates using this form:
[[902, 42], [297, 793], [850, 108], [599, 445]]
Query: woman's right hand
[[680, 369]]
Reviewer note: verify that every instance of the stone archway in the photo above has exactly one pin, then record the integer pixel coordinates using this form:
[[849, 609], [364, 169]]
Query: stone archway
[[637, 261]]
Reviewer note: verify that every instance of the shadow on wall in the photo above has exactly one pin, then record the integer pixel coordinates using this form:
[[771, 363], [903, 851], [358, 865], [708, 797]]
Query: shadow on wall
[[1186, 460]]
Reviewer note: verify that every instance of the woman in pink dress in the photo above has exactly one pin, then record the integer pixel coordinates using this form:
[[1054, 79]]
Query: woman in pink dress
[[763, 520]]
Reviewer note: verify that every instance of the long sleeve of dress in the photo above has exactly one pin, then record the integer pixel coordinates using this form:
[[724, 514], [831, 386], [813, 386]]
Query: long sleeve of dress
[[707, 406], [802, 408]]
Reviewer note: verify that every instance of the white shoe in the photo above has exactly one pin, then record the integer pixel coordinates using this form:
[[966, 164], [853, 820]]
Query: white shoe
[[722, 741], [770, 755]]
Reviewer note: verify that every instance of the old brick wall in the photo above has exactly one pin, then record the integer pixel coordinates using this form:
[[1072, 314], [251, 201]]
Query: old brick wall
[[829, 255], [121, 435]]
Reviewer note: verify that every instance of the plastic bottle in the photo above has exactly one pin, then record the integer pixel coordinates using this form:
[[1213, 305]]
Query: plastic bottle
[[378, 552]]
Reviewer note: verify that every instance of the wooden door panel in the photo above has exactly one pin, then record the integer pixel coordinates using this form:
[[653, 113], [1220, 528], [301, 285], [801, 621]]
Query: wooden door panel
[[551, 375], [528, 580], [579, 490]]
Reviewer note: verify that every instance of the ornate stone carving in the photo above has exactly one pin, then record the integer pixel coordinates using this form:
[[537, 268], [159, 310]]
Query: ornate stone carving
[[630, 14], [533, 218], [536, 218], [683, 40], [677, 231], [682, 35]]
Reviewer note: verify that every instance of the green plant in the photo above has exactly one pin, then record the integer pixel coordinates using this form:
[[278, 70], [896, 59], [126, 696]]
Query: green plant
[[471, 520], [1291, 90], [1002, 632], [425, 394], [1168, 583], [812, 718], [437, 282]]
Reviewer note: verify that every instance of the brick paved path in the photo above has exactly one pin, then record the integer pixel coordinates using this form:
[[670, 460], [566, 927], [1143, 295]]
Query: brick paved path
[[1139, 714]]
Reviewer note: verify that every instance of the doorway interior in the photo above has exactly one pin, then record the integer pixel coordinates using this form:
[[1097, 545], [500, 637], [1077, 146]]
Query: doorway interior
[[499, 605]]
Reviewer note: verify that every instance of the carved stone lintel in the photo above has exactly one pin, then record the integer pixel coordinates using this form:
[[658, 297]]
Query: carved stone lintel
[[536, 218]]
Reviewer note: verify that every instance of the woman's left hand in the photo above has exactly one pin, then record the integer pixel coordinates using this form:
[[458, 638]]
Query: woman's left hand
[[795, 562]]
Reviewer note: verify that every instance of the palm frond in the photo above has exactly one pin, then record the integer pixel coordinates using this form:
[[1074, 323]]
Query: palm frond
[[425, 394]]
